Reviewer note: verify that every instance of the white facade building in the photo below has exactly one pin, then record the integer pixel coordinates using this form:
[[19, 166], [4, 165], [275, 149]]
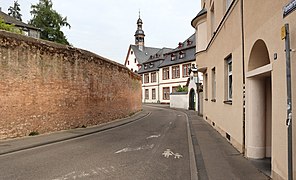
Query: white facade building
[[165, 71], [162, 70]]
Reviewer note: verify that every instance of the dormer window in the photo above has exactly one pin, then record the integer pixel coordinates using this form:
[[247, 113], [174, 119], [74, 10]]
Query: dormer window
[[189, 42], [181, 54], [151, 57], [151, 65], [145, 66], [173, 57], [180, 45]]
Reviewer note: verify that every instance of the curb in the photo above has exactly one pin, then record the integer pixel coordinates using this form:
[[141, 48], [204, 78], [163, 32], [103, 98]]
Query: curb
[[98, 128], [192, 161]]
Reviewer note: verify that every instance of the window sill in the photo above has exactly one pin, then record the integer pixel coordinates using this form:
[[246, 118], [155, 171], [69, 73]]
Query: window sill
[[228, 102], [213, 100]]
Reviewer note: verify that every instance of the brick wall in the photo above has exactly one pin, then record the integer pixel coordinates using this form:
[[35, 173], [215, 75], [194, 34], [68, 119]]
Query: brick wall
[[46, 87]]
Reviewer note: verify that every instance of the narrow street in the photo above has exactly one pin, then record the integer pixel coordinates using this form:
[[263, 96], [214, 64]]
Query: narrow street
[[154, 147]]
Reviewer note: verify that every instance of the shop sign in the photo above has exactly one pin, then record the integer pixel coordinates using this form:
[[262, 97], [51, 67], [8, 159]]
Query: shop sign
[[289, 8]]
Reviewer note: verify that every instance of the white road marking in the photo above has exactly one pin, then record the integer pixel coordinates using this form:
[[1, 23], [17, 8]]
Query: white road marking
[[168, 153], [83, 174], [145, 147], [153, 136]]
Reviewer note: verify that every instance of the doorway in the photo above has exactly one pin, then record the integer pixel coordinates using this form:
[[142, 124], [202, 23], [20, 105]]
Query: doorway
[[192, 99], [259, 107]]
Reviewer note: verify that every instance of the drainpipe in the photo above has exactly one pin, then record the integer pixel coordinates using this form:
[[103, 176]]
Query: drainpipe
[[244, 76], [289, 101]]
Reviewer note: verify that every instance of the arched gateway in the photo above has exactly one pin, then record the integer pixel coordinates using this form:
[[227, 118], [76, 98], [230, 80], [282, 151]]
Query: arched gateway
[[259, 102]]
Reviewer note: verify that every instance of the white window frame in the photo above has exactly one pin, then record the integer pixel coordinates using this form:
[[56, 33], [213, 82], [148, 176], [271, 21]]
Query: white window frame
[[206, 86], [214, 84], [229, 79]]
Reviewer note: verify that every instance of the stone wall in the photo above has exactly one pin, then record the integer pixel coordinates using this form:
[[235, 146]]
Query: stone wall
[[46, 87]]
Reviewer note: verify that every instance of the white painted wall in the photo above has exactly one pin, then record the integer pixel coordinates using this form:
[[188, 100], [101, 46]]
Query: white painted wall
[[131, 64], [179, 101], [150, 86], [192, 85]]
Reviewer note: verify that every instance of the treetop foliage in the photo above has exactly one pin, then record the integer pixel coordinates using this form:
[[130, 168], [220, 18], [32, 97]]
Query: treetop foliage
[[14, 11], [49, 21]]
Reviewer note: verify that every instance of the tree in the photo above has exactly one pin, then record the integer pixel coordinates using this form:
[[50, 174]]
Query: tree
[[14, 11], [49, 21]]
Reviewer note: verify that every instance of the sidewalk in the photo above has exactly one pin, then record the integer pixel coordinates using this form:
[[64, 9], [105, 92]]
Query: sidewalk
[[215, 157], [19, 144]]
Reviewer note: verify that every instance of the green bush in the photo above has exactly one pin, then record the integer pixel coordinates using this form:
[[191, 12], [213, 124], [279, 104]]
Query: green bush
[[9, 27], [182, 89]]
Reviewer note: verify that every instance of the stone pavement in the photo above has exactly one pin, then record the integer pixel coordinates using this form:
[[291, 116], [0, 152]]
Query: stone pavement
[[215, 157]]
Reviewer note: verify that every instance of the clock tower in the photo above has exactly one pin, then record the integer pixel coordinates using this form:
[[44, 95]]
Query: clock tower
[[139, 35]]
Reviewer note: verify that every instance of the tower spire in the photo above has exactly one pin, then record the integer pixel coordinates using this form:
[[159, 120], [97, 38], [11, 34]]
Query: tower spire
[[140, 35]]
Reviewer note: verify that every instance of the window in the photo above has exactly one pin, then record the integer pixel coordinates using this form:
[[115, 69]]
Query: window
[[166, 93], [153, 77], [174, 89], [153, 94], [173, 57], [213, 84], [146, 93], [181, 54], [132, 52], [212, 19], [135, 60], [206, 87], [127, 62], [146, 78], [166, 73], [229, 78], [180, 45], [145, 66], [186, 68], [228, 2], [189, 42], [151, 65], [176, 72]]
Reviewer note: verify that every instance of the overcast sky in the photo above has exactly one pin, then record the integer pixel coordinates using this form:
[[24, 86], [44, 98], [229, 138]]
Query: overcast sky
[[107, 27]]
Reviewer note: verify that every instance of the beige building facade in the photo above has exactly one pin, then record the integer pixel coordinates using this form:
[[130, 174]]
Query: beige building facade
[[242, 57]]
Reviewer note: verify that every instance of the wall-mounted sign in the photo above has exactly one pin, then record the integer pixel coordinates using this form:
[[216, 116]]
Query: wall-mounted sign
[[289, 8]]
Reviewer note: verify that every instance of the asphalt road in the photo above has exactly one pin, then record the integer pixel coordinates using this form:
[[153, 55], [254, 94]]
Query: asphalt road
[[155, 147]]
